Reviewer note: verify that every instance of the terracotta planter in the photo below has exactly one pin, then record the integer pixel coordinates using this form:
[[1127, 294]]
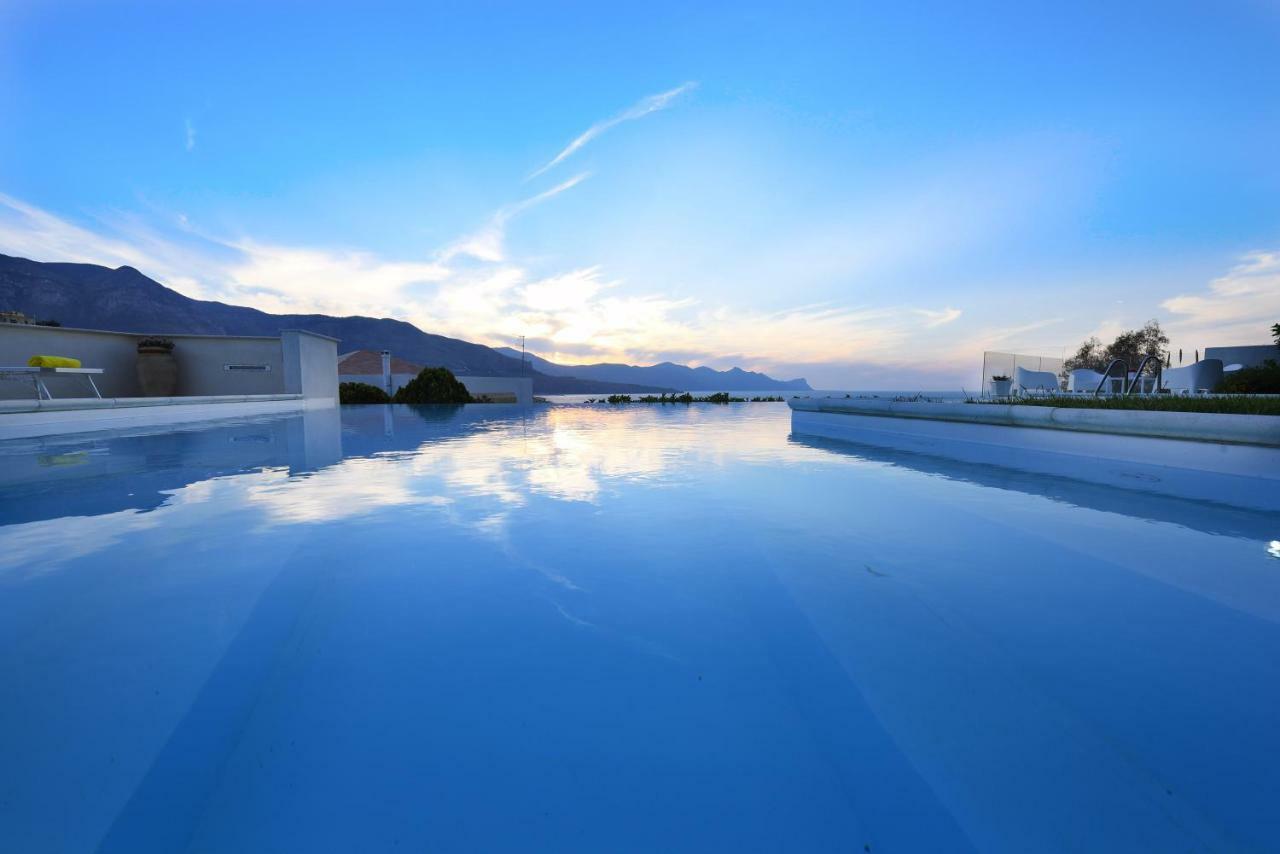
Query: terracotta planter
[[157, 372]]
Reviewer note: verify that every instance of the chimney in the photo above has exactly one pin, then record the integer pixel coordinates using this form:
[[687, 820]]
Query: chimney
[[386, 372]]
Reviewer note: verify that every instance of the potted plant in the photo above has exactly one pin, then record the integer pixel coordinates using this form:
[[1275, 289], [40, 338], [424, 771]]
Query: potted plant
[[157, 368], [1001, 385]]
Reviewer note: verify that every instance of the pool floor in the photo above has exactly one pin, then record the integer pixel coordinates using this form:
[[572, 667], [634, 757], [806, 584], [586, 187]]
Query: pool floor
[[577, 628]]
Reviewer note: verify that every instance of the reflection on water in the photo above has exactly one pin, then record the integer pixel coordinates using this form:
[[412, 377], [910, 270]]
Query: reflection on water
[[1078, 491], [587, 628]]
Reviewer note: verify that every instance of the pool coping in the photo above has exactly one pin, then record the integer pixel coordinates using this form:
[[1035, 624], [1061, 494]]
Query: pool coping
[[1188, 426], [25, 419]]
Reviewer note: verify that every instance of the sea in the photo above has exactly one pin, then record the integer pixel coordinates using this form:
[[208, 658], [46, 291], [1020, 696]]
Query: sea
[[953, 394]]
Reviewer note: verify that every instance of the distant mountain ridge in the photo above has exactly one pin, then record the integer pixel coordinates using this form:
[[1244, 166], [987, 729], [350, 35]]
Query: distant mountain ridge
[[667, 374], [124, 300]]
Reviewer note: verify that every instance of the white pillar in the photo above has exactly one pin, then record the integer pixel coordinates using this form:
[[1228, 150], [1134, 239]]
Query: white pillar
[[310, 365]]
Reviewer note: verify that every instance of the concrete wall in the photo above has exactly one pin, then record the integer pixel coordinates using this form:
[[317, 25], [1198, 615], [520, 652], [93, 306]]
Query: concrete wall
[[1197, 426], [202, 361], [1248, 356], [521, 387], [310, 366], [1233, 475], [397, 380]]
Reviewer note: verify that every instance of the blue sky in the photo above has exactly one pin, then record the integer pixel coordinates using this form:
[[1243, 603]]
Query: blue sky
[[865, 195]]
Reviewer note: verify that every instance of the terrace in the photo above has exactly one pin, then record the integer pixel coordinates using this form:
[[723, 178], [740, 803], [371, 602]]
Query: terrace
[[216, 376]]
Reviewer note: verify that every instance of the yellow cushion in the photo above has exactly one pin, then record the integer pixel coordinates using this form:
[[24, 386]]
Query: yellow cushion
[[52, 362]]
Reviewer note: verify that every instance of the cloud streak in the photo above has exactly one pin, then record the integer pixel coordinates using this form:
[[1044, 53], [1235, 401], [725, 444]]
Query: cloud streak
[[1237, 308], [645, 106], [487, 244]]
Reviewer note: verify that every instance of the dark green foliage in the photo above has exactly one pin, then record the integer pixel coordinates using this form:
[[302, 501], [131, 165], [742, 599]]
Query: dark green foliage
[[361, 393], [1091, 355], [1236, 405], [1131, 346], [433, 385], [155, 344], [686, 397], [1260, 379]]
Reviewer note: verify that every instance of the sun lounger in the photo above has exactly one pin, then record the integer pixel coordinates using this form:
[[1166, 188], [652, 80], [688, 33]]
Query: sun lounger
[[1086, 381], [1202, 376], [1036, 381], [37, 376]]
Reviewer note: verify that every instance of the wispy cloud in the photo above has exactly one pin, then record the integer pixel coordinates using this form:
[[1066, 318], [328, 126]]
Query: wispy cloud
[[486, 244], [484, 296], [1238, 307], [191, 135], [642, 108], [33, 232], [938, 317]]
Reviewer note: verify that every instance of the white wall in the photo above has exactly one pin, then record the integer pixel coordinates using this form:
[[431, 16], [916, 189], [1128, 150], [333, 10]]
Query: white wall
[[397, 380], [310, 365], [1249, 356], [521, 387]]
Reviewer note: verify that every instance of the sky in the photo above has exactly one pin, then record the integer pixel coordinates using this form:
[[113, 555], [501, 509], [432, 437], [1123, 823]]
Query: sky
[[865, 195]]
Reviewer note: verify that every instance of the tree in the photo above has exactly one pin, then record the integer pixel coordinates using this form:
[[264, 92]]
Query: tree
[[1131, 346], [1091, 355], [433, 385]]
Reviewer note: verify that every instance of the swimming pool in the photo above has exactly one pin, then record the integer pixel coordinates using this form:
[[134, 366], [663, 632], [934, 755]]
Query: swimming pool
[[619, 629]]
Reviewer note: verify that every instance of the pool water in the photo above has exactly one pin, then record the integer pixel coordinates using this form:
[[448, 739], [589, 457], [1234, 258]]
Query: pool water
[[618, 629]]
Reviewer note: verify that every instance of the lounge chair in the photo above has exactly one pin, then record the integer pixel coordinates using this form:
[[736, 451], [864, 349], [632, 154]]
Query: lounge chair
[[37, 375], [1085, 380], [1202, 376], [1036, 381]]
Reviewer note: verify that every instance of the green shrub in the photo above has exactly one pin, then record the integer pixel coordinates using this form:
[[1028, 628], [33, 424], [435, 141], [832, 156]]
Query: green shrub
[[361, 393], [433, 385], [1260, 379]]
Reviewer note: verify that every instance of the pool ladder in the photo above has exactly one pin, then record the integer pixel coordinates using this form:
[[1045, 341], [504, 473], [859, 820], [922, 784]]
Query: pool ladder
[[1137, 375]]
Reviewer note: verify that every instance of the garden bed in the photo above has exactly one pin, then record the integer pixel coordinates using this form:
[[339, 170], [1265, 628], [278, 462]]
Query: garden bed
[[1235, 404]]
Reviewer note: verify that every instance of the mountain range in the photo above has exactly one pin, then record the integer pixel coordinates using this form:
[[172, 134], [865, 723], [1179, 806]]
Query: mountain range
[[124, 300], [667, 374]]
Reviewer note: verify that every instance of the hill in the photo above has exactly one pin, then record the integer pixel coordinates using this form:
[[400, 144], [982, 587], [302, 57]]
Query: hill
[[124, 300], [666, 374]]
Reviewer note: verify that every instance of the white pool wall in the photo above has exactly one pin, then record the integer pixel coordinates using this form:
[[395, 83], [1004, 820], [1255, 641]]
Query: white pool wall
[[1235, 474]]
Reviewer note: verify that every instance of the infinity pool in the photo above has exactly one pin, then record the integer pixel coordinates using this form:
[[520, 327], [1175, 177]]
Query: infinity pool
[[626, 629]]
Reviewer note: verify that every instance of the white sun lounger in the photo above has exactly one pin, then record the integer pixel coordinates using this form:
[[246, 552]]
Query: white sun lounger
[[1086, 380], [1042, 381], [1202, 376], [36, 376]]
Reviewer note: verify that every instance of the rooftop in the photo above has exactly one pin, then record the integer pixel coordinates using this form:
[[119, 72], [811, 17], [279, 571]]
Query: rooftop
[[360, 362]]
